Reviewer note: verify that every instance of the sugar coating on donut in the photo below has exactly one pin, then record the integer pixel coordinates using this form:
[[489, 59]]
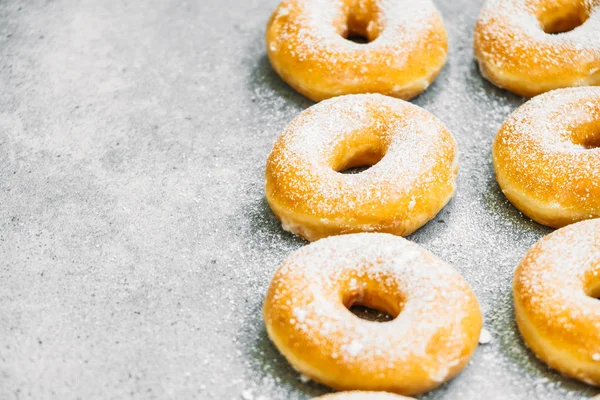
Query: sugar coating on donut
[[556, 272], [516, 52], [514, 24], [540, 146], [316, 35], [417, 145], [323, 263], [307, 45], [435, 332]]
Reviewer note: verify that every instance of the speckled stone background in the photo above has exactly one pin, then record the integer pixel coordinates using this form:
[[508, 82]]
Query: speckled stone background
[[135, 242]]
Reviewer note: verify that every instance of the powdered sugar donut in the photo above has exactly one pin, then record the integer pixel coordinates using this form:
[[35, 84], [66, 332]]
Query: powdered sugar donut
[[307, 46], [556, 287], [413, 177], [363, 396], [547, 156], [435, 330], [518, 48]]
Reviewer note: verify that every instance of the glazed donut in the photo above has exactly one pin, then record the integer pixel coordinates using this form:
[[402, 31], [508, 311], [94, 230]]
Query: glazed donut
[[435, 330], [530, 47], [547, 157], [556, 287], [362, 396], [414, 176], [308, 47]]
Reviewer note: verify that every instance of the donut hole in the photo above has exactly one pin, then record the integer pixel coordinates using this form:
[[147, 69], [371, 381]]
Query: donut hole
[[361, 25], [357, 38], [372, 307], [373, 301], [555, 23], [357, 160], [592, 142], [355, 170], [370, 314], [592, 288], [594, 291], [587, 135]]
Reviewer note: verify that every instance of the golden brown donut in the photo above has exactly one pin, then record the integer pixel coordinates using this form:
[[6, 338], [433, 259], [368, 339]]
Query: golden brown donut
[[437, 318], [362, 396], [547, 156], [307, 46], [413, 177], [520, 47], [556, 290]]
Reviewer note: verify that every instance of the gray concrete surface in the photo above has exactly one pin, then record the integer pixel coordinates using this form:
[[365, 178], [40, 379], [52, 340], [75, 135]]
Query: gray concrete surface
[[135, 243]]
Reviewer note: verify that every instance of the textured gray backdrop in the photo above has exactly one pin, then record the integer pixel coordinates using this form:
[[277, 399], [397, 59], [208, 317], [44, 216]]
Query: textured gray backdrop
[[135, 243]]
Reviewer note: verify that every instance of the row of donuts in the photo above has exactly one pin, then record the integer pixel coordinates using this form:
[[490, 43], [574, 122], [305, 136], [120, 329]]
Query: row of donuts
[[437, 320], [526, 46], [546, 156], [306, 308], [414, 166]]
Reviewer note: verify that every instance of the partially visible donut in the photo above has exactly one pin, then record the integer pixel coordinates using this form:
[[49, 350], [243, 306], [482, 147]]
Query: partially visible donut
[[437, 318], [520, 48], [556, 290], [413, 178], [547, 156], [362, 396], [308, 47]]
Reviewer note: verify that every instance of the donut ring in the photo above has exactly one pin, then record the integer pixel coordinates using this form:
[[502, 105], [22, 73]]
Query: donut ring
[[515, 52], [547, 157], [413, 179], [554, 289], [362, 396], [307, 46], [435, 331]]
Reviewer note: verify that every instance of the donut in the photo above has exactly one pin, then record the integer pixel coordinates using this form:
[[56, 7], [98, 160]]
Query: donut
[[308, 46], [556, 290], [547, 156], [434, 333], [534, 46], [414, 166], [362, 396]]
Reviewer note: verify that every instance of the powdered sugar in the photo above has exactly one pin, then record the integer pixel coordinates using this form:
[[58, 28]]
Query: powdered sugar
[[517, 21], [318, 26], [485, 337]]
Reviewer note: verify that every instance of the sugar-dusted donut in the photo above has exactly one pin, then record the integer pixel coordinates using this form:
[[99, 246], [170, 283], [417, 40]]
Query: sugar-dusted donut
[[307, 46], [547, 156], [437, 318], [413, 177], [556, 287], [362, 396], [520, 48]]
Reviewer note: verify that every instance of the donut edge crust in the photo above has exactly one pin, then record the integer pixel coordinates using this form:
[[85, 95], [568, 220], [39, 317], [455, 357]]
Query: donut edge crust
[[558, 353]]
